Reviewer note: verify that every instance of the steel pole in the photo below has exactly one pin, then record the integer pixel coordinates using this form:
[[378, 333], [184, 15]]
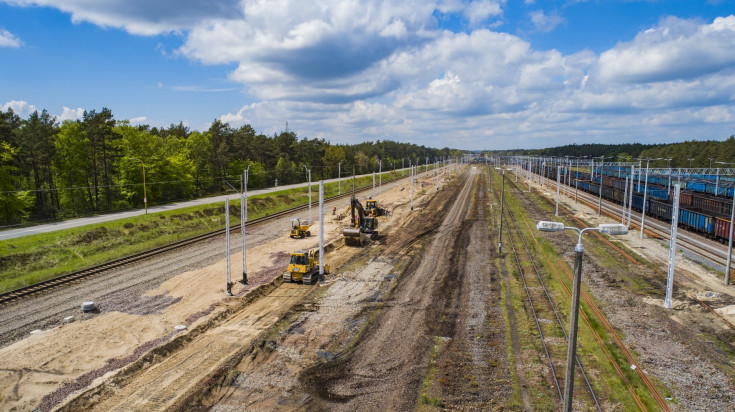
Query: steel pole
[[556, 213], [227, 244], [573, 322], [502, 202], [643, 206], [243, 219], [145, 197], [625, 199], [729, 244], [321, 231], [630, 194], [599, 206], [373, 185], [672, 248]]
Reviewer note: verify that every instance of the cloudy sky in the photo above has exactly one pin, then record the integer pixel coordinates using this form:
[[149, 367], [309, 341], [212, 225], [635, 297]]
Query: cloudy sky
[[485, 74]]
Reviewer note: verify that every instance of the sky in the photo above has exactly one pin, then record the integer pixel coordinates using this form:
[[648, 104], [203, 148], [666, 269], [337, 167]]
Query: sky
[[474, 75]]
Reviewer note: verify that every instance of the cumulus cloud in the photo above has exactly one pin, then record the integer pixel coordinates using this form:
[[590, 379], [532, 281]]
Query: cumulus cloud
[[675, 49], [479, 11], [7, 39], [545, 23], [20, 107], [383, 69], [141, 16], [70, 114]]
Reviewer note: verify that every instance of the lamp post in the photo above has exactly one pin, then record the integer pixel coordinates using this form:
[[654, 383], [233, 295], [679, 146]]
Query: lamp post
[[145, 198], [339, 178], [502, 201], [308, 174], [546, 226], [599, 207]]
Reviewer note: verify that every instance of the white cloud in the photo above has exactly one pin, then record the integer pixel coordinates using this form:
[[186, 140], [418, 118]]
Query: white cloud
[[478, 12], [20, 107], [141, 16], [70, 114], [7, 39], [676, 49], [545, 23], [138, 120], [357, 69]]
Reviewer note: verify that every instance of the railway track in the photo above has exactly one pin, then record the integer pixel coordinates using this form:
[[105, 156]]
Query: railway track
[[547, 303], [685, 240], [60, 281], [558, 268]]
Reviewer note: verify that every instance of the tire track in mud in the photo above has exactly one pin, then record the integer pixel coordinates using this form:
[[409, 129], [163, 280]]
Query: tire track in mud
[[472, 366], [386, 367]]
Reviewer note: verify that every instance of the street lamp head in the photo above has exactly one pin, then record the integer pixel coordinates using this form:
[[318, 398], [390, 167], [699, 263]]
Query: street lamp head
[[548, 226], [612, 228]]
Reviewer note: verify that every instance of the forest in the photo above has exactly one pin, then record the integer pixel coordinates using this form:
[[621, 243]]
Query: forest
[[51, 170], [690, 153]]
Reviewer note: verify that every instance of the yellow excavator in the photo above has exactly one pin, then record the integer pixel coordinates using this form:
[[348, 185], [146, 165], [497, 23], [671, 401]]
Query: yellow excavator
[[300, 228], [361, 225], [304, 267], [373, 209]]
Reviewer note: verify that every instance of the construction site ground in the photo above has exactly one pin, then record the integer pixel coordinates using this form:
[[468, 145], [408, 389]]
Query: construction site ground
[[414, 320]]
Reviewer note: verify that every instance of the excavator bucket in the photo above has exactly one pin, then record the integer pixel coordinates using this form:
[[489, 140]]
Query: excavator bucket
[[353, 237]]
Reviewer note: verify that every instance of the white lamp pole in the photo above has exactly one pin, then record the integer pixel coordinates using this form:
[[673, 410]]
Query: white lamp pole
[[546, 226]]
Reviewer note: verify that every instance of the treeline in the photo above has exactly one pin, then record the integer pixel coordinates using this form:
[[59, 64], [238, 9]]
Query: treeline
[[690, 153], [51, 170]]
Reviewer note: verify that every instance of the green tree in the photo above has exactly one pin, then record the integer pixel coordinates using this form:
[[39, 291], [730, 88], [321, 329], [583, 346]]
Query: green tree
[[102, 139], [35, 140], [73, 169], [12, 206], [333, 156], [361, 160], [199, 150]]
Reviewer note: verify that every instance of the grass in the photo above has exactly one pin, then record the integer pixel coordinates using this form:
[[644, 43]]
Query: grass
[[426, 398], [31, 259]]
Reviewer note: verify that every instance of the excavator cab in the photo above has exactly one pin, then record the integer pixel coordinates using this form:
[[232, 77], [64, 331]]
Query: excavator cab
[[373, 209], [362, 225]]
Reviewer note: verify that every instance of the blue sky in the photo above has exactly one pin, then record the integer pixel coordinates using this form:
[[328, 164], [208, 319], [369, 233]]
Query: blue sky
[[465, 74]]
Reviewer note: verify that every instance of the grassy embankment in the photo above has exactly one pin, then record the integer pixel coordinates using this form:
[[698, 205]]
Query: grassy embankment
[[31, 259]]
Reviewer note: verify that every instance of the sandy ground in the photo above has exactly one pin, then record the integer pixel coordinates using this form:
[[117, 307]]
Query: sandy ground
[[43, 369]]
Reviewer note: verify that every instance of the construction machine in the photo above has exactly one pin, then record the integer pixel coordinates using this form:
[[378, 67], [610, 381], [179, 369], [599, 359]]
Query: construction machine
[[304, 267], [300, 228], [373, 209], [361, 225]]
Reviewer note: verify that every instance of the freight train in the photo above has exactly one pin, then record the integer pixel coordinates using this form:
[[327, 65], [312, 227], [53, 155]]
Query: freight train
[[698, 211]]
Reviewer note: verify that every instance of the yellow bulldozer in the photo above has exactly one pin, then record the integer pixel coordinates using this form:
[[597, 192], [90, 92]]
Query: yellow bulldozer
[[304, 267], [300, 228]]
